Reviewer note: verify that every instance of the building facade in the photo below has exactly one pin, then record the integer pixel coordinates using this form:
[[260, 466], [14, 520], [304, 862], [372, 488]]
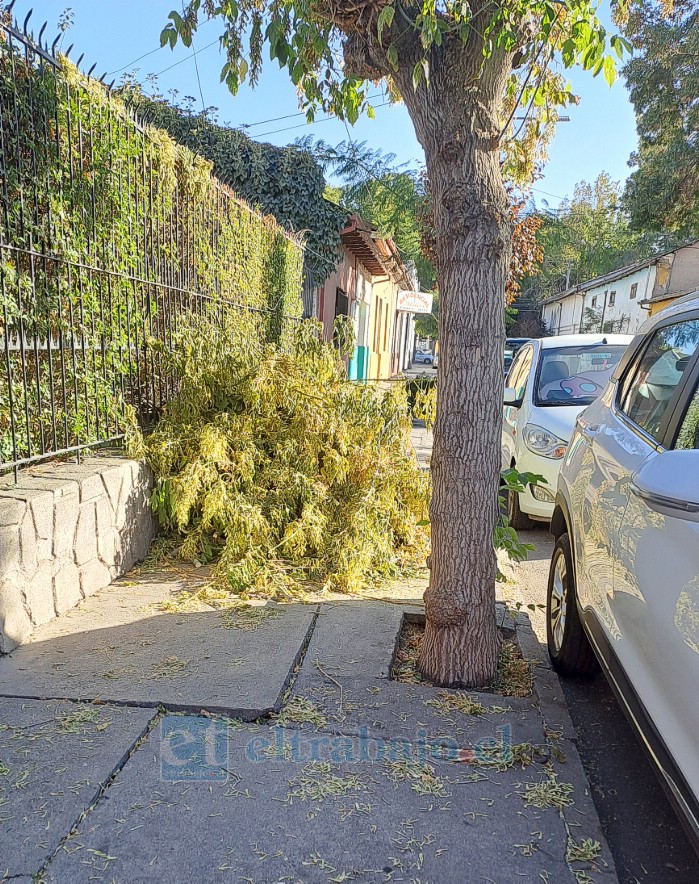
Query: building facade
[[619, 302], [365, 287]]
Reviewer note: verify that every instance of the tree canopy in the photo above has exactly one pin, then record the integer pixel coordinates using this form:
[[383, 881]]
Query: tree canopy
[[663, 80], [392, 196], [587, 236], [324, 46]]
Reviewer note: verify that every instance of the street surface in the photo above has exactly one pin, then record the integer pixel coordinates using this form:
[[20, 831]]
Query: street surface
[[420, 370], [644, 834]]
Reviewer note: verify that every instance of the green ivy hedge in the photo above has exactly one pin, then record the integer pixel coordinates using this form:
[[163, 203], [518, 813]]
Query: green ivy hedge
[[286, 182], [109, 233]]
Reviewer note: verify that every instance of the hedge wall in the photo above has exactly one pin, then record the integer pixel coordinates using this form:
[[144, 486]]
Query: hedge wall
[[109, 231]]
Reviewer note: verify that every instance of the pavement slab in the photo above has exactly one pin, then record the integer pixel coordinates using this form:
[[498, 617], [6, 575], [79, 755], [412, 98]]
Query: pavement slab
[[356, 637], [346, 677], [415, 712], [55, 757], [118, 647], [281, 817], [421, 439]]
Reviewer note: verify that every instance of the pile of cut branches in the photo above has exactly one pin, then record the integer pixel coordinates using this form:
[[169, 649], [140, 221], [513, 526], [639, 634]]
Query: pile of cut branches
[[273, 464]]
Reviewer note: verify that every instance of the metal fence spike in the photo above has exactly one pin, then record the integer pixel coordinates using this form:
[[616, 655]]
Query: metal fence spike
[[111, 85], [78, 62], [69, 49], [26, 20], [55, 44], [89, 73], [9, 8], [41, 32], [103, 76]]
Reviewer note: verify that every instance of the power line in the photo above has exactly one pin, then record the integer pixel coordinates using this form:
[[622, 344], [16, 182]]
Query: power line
[[141, 57], [296, 114], [546, 193], [302, 125], [196, 68], [186, 58]]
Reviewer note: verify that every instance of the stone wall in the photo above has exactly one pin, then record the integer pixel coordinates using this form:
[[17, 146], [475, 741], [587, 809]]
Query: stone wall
[[67, 530]]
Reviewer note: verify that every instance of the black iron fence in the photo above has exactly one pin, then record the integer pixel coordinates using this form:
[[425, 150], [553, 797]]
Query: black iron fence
[[109, 236]]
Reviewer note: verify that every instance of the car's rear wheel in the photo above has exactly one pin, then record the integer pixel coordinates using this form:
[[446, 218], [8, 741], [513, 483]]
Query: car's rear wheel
[[519, 520], [569, 649]]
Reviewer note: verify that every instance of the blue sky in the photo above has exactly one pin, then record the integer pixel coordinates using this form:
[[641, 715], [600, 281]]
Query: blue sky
[[599, 137]]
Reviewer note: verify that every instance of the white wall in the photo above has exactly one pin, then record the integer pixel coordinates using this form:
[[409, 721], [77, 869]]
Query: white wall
[[626, 311], [568, 315], [563, 317]]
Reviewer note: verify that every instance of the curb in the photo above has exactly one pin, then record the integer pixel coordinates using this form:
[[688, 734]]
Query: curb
[[581, 820]]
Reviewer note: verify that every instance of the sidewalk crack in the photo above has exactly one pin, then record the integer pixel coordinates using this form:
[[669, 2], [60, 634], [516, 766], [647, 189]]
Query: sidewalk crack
[[102, 789]]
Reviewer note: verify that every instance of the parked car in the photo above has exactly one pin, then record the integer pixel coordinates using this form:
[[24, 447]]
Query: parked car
[[423, 358], [516, 344], [550, 382], [507, 363], [512, 347], [623, 587]]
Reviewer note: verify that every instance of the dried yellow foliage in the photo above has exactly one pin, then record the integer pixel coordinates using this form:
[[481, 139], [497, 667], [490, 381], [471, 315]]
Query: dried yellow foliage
[[271, 462]]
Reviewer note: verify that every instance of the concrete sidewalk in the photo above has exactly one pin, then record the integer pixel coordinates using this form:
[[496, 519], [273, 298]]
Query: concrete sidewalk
[[422, 443], [337, 773]]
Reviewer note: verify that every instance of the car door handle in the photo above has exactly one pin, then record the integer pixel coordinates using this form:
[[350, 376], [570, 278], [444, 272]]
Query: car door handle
[[589, 431]]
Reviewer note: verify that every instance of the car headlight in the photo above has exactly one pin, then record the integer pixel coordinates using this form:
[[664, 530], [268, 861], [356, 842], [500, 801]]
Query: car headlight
[[543, 442]]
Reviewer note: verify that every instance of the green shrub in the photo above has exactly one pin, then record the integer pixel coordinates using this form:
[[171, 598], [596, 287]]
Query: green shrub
[[276, 465]]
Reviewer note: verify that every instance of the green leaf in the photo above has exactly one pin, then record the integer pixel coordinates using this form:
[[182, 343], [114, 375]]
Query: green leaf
[[421, 69], [370, 112], [243, 69], [610, 72], [392, 56], [385, 20], [417, 75]]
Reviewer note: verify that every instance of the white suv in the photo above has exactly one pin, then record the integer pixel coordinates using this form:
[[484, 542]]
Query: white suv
[[624, 579], [549, 383]]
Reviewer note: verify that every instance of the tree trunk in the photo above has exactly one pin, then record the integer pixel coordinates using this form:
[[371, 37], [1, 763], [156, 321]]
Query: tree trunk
[[458, 127]]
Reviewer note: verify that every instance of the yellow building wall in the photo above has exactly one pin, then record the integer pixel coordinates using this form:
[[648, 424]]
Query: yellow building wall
[[657, 306], [383, 312]]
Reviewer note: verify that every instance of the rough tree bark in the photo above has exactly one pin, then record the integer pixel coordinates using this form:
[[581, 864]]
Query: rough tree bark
[[457, 122], [460, 138]]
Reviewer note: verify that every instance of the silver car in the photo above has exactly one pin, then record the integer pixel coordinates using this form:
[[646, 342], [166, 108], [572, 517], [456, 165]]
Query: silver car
[[623, 587]]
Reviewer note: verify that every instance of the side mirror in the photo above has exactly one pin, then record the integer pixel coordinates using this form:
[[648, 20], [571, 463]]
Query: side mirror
[[668, 482], [510, 398]]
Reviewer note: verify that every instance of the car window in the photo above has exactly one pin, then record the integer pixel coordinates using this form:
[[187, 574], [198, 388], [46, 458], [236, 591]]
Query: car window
[[515, 365], [575, 375], [648, 394], [688, 436], [519, 373]]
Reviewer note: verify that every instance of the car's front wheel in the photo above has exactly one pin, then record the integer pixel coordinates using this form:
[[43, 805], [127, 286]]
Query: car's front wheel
[[569, 649], [519, 520]]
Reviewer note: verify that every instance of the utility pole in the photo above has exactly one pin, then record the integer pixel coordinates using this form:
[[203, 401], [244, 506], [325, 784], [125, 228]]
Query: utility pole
[[604, 311]]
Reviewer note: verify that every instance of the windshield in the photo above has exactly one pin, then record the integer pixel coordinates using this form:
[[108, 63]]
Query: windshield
[[575, 375]]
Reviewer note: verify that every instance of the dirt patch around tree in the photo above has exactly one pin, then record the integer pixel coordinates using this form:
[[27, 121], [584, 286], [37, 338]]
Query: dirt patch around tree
[[514, 676]]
